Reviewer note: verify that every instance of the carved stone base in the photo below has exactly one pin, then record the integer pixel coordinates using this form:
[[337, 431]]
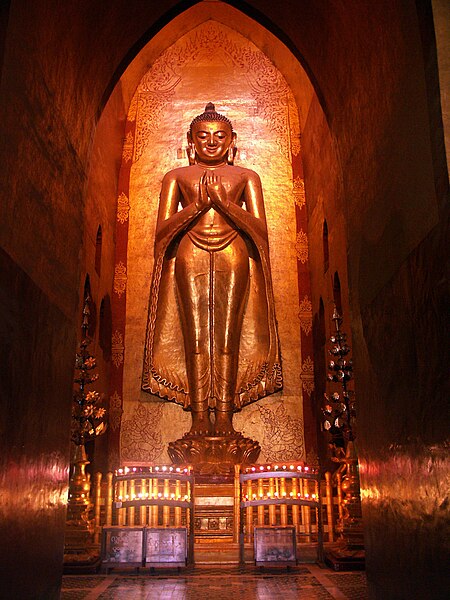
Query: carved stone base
[[342, 558], [87, 561], [213, 454]]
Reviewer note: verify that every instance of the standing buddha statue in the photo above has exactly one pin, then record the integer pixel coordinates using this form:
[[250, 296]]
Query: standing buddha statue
[[212, 343]]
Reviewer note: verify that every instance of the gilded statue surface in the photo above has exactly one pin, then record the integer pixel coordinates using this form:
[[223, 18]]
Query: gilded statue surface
[[212, 343]]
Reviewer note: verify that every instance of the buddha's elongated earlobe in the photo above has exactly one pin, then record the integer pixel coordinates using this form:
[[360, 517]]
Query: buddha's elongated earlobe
[[232, 149], [231, 154], [190, 151]]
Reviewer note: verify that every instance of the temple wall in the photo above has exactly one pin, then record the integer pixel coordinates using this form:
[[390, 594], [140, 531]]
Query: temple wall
[[36, 349], [56, 62], [391, 187]]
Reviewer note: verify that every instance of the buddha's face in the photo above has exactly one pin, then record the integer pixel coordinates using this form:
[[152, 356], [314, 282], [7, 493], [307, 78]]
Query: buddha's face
[[211, 140]]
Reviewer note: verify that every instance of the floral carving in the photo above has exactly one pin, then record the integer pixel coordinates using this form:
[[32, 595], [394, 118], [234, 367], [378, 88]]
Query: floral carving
[[305, 315], [132, 110], [141, 439], [115, 411], [150, 105], [307, 375], [123, 208], [283, 434], [120, 278], [298, 189], [117, 348], [127, 152], [301, 246], [295, 126]]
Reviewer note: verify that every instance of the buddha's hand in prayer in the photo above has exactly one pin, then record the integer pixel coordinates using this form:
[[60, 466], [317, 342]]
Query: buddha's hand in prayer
[[216, 190], [203, 200]]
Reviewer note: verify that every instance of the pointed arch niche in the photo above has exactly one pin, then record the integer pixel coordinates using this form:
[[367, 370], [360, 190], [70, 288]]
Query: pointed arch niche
[[211, 61]]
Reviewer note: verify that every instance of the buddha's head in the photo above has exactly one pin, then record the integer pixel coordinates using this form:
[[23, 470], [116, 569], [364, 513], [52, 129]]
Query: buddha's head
[[211, 138]]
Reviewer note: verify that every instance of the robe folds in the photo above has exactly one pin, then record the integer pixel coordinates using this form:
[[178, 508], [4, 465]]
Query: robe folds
[[259, 368]]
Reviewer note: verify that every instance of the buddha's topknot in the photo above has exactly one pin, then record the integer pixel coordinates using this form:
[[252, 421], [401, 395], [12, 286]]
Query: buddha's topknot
[[210, 114]]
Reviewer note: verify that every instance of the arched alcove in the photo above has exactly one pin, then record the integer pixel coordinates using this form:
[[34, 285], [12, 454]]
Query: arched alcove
[[337, 295], [325, 247], [105, 327], [88, 314], [212, 62], [98, 251]]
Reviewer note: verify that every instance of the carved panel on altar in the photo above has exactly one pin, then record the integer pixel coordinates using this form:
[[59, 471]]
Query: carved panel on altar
[[275, 545], [211, 63], [122, 546], [166, 547]]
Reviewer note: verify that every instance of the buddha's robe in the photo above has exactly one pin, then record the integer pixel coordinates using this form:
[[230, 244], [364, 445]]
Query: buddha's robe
[[211, 297]]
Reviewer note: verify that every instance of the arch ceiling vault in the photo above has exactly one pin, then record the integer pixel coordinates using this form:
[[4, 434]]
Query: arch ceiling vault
[[225, 14]]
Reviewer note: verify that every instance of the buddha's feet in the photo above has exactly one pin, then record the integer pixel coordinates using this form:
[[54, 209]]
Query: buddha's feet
[[201, 425], [223, 425]]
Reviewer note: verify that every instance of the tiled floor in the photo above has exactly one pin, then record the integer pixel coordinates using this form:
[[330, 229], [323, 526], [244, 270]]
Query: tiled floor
[[307, 582]]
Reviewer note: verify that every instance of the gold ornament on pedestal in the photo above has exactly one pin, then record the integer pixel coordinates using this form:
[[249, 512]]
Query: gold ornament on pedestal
[[212, 343], [87, 423], [339, 412]]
